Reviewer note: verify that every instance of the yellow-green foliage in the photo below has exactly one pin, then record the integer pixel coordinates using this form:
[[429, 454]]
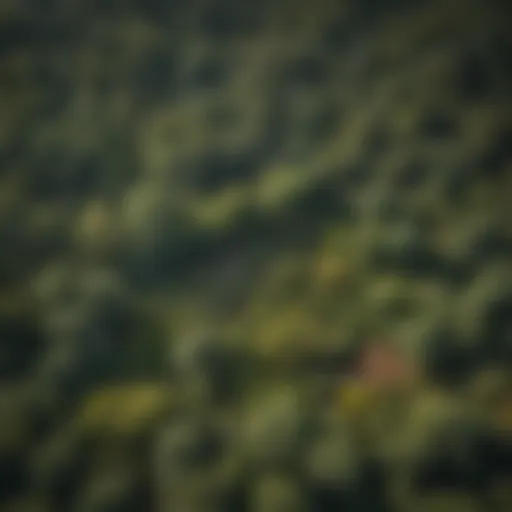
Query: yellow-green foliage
[[124, 410], [220, 211], [356, 398], [279, 186]]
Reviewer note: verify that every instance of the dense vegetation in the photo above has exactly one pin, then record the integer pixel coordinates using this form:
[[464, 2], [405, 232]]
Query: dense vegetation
[[255, 256]]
